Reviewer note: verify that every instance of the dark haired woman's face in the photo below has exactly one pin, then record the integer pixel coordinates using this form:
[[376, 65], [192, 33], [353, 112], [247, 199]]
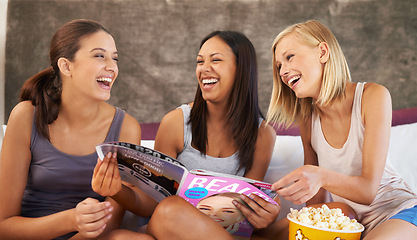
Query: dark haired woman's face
[[94, 68], [216, 70]]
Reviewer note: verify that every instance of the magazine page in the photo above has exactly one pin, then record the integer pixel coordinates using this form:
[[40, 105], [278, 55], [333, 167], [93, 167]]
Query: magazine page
[[264, 186], [153, 172], [213, 195]]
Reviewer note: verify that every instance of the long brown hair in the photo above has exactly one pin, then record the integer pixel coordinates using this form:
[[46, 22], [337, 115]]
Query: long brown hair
[[244, 112], [44, 88]]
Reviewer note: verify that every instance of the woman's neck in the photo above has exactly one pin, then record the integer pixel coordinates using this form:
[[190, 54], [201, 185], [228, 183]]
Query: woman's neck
[[76, 112], [340, 108], [217, 113]]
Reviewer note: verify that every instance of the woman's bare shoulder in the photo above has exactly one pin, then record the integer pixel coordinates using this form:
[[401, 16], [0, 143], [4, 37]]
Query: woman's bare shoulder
[[19, 125], [22, 113], [376, 103], [267, 130], [173, 117], [375, 91], [131, 131], [170, 136]]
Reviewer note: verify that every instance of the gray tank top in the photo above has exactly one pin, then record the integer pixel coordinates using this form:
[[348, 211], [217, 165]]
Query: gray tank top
[[193, 159], [58, 181]]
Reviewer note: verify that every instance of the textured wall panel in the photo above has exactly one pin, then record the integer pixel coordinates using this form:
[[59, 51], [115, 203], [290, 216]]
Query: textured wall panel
[[158, 42]]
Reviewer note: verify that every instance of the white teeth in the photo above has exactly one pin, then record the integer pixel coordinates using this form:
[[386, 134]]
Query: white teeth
[[104, 79], [207, 81], [291, 80]]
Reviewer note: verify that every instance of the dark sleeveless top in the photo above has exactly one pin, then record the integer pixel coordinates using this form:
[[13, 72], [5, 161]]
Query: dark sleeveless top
[[58, 181]]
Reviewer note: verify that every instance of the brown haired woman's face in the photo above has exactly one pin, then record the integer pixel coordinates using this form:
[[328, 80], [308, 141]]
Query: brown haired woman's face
[[94, 68], [216, 70]]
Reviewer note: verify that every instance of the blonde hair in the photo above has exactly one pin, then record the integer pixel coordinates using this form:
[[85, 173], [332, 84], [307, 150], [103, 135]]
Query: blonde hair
[[285, 108]]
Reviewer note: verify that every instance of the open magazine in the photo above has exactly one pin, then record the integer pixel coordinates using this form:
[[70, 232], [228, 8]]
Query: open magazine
[[161, 176]]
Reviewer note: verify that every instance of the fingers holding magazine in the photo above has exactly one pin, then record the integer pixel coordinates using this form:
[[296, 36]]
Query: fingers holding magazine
[[262, 213], [106, 179], [160, 176]]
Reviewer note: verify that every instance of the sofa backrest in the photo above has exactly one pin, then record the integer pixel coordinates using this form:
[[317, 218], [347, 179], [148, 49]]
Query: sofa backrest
[[399, 117], [404, 116]]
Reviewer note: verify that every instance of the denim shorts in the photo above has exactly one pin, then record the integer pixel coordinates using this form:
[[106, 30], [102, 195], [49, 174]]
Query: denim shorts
[[408, 215]]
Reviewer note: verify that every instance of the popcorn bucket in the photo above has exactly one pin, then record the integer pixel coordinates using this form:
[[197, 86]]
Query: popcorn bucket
[[300, 231]]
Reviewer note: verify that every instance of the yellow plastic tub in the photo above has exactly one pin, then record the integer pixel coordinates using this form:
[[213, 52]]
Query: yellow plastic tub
[[300, 231]]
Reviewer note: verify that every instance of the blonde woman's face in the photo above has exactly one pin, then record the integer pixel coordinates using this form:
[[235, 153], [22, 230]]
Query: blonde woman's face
[[221, 210], [299, 66]]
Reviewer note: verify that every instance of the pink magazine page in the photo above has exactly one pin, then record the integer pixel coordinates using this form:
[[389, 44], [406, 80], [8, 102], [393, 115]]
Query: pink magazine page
[[213, 195]]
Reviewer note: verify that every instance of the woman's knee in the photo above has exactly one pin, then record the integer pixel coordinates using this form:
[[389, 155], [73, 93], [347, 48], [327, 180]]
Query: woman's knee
[[170, 208]]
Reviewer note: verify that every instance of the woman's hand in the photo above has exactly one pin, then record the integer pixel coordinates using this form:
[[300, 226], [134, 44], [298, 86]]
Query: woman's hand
[[300, 185], [262, 214], [106, 179], [91, 217]]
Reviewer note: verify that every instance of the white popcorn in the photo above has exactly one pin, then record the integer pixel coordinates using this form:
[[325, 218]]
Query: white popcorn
[[304, 217], [333, 225], [324, 218]]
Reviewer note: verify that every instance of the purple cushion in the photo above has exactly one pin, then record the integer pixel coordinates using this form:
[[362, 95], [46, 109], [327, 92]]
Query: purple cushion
[[149, 130], [399, 117], [291, 131], [404, 116]]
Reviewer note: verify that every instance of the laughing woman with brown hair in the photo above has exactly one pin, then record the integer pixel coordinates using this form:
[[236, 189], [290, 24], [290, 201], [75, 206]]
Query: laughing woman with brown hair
[[222, 130], [48, 153]]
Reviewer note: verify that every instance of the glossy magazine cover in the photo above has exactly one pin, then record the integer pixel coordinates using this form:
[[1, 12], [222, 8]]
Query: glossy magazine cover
[[212, 193]]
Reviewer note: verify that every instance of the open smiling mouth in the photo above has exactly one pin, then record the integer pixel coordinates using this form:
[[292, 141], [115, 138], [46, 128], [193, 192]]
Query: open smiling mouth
[[210, 81], [293, 80], [104, 81]]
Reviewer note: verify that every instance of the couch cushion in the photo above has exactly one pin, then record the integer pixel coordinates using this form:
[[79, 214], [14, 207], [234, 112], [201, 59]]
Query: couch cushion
[[288, 155], [149, 130], [399, 116], [404, 116], [403, 152]]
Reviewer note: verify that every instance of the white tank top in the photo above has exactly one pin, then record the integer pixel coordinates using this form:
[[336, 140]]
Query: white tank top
[[393, 195]]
